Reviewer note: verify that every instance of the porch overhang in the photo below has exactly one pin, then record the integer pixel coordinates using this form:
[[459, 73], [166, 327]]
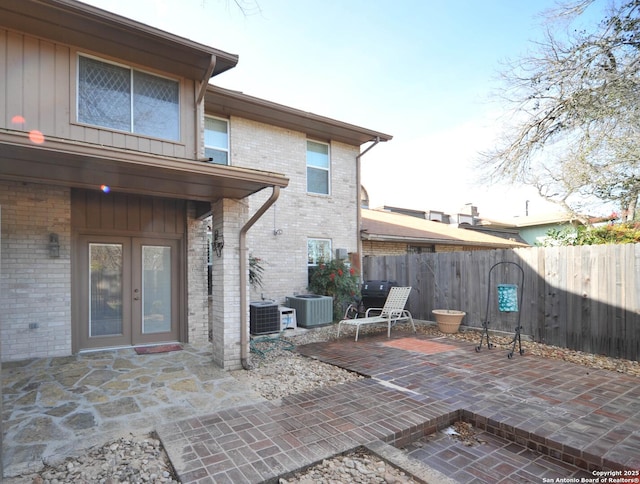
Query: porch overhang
[[90, 167]]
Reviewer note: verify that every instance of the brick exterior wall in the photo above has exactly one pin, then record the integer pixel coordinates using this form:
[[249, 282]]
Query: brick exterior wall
[[449, 248], [197, 291], [34, 288], [376, 248], [297, 214], [371, 248], [457, 248], [37, 288]]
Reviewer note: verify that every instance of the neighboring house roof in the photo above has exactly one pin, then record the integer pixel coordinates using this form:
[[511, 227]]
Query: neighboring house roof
[[496, 231], [394, 227], [235, 103], [407, 211], [76, 23], [553, 218], [531, 228]]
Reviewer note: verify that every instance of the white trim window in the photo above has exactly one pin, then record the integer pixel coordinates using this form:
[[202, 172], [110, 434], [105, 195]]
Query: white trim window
[[121, 98], [318, 167], [318, 250], [216, 140]]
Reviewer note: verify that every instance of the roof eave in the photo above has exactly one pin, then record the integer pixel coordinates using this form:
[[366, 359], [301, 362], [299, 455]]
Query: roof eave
[[233, 103], [78, 24], [426, 240]]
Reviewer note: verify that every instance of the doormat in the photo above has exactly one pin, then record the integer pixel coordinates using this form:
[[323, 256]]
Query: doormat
[[419, 346], [147, 350]]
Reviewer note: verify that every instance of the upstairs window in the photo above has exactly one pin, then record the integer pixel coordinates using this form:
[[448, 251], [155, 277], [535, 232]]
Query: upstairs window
[[317, 167], [118, 97], [216, 140]]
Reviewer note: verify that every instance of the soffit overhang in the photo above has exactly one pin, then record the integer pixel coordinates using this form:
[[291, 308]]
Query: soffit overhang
[[81, 25], [225, 102], [79, 165]]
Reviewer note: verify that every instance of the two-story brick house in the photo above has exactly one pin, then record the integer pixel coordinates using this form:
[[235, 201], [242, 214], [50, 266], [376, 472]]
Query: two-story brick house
[[118, 162]]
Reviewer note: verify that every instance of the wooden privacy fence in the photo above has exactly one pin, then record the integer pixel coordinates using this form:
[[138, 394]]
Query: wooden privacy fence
[[585, 298]]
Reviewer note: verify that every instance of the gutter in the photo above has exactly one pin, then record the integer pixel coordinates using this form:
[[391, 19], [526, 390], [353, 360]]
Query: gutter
[[244, 326], [359, 195]]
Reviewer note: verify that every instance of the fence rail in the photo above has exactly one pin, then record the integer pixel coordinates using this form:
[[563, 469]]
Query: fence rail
[[585, 298]]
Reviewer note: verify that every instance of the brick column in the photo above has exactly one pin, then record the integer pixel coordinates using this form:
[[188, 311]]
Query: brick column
[[198, 301], [228, 218]]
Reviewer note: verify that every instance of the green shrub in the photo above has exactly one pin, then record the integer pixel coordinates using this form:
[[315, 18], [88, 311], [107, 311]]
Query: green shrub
[[338, 280], [621, 233]]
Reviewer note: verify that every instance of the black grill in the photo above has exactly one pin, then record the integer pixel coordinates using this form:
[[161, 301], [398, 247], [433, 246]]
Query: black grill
[[374, 293]]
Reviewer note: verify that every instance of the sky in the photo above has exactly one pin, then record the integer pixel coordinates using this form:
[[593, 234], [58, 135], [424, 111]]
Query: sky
[[423, 71]]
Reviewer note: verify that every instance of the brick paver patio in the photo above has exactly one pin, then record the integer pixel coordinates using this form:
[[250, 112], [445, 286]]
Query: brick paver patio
[[539, 417]]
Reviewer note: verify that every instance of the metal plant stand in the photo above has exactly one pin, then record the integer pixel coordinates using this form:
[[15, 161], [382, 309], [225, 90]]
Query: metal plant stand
[[507, 302]]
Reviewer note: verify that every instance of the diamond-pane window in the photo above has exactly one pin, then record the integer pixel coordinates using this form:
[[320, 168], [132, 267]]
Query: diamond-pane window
[[155, 106], [104, 94], [121, 98]]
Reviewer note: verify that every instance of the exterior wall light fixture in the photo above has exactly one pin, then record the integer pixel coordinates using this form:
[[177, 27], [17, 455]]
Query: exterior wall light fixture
[[218, 243], [54, 246]]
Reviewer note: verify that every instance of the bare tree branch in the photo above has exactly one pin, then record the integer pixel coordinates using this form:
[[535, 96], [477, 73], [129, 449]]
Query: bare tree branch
[[576, 112]]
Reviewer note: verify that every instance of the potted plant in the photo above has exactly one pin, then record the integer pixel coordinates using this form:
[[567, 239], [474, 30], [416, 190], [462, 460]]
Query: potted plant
[[448, 320]]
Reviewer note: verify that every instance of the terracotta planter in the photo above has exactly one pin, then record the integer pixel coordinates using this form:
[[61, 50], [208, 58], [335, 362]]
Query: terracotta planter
[[448, 319]]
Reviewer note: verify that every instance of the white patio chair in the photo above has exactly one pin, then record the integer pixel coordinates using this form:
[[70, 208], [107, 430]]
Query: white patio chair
[[392, 312]]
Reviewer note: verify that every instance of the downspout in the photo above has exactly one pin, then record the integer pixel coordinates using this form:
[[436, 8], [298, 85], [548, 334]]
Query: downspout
[[199, 120], [205, 80], [244, 332], [359, 195]]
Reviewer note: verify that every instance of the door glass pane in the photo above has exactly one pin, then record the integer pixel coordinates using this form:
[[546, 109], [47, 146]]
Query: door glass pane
[[156, 289], [105, 291]]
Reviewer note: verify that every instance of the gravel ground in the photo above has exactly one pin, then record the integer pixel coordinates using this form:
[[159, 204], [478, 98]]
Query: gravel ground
[[355, 467], [141, 459], [133, 459]]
